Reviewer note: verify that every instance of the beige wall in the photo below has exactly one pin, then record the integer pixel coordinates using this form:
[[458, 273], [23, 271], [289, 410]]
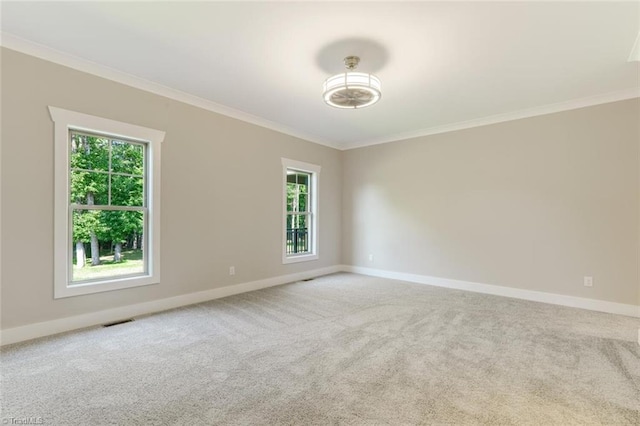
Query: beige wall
[[221, 191], [535, 204]]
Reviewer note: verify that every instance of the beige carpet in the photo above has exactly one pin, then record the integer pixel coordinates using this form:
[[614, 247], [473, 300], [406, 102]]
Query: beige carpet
[[341, 349]]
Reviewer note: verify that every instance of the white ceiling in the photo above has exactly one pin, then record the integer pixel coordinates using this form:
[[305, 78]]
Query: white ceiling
[[443, 65]]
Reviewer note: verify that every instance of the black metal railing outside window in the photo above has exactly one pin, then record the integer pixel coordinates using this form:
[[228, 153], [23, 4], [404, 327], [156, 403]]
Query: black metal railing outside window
[[297, 240]]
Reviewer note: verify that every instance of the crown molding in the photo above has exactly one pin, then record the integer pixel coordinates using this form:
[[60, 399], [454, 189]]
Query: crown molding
[[501, 118], [31, 48], [19, 44]]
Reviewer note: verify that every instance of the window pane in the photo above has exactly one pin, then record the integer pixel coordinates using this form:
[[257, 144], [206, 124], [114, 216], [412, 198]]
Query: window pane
[[117, 238], [301, 221], [127, 191], [302, 202], [89, 188], [297, 234], [296, 201], [292, 197], [291, 176], [297, 221], [303, 182], [89, 152], [127, 158]]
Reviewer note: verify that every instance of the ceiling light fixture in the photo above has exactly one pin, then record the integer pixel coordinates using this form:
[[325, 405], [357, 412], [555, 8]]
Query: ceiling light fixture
[[352, 89]]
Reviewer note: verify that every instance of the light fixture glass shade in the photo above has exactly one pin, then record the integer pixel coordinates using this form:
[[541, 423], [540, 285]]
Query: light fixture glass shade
[[352, 90]]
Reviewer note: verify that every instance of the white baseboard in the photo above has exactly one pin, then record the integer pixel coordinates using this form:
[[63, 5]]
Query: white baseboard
[[517, 293], [46, 328]]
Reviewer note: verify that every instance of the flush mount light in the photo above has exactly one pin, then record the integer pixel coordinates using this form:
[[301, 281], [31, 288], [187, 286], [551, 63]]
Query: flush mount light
[[352, 89]]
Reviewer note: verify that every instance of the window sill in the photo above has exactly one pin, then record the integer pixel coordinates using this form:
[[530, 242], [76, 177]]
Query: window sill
[[299, 258], [92, 287]]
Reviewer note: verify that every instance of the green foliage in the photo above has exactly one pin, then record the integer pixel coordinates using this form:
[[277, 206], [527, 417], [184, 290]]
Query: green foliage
[[127, 191], [297, 191], [120, 225], [106, 172], [127, 158], [86, 222], [297, 199], [89, 163]]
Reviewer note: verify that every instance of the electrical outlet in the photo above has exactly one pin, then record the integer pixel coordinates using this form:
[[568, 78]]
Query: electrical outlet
[[588, 281], [232, 270], [370, 258]]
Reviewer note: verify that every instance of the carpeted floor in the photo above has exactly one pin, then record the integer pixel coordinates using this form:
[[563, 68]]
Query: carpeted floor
[[341, 349]]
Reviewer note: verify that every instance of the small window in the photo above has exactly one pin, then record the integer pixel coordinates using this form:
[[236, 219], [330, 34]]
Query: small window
[[300, 221], [107, 204]]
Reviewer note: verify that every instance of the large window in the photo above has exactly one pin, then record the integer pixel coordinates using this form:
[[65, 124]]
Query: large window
[[107, 188], [300, 213]]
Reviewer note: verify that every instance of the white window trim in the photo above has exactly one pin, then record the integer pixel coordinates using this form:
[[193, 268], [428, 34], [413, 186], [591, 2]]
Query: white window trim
[[315, 213], [65, 120]]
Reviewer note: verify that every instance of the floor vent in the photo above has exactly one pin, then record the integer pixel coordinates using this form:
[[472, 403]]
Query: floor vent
[[309, 279], [111, 324]]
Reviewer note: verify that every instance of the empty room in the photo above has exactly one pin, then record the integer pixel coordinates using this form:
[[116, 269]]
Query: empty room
[[320, 213]]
